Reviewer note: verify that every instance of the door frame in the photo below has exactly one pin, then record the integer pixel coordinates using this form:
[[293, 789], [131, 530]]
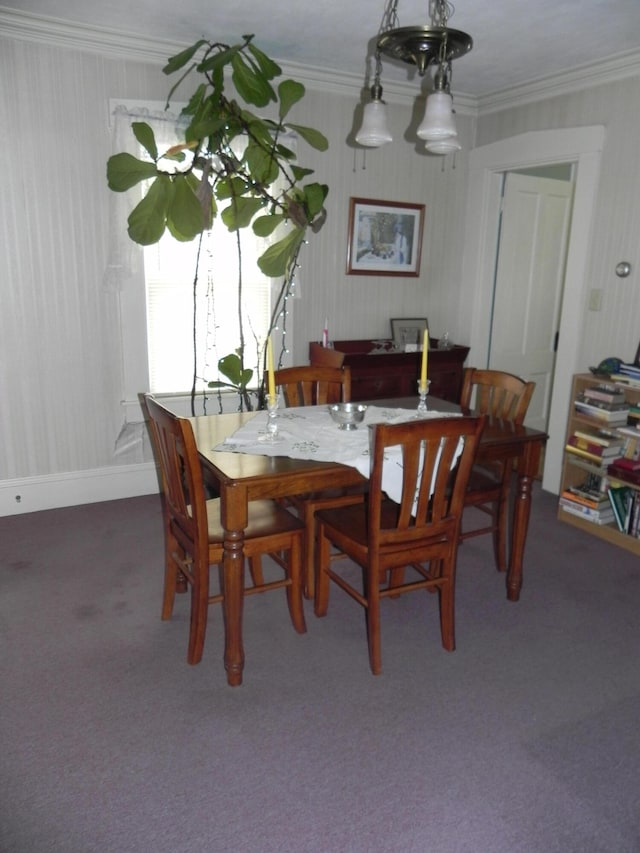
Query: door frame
[[583, 147]]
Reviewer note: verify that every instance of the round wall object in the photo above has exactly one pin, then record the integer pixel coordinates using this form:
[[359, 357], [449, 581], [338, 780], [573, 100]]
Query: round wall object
[[623, 269]]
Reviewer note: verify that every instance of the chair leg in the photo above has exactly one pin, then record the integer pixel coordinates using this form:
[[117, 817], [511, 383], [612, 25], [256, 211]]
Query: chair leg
[[321, 599], [309, 518], [446, 595], [199, 614], [373, 623], [502, 526], [172, 574], [295, 588], [255, 570]]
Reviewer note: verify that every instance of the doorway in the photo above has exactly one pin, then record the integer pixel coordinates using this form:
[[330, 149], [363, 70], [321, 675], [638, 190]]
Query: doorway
[[531, 254], [581, 147]]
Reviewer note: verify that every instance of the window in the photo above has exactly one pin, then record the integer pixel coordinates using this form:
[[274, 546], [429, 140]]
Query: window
[[171, 325]]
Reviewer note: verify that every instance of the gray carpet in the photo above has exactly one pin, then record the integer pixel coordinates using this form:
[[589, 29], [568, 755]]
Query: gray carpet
[[524, 740]]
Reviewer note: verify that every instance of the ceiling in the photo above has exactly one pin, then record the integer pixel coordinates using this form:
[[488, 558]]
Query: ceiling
[[515, 41]]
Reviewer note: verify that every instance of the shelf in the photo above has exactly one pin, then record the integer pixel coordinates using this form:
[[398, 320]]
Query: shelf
[[574, 469]]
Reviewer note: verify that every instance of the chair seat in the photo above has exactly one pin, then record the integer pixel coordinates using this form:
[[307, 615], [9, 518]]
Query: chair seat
[[266, 519]]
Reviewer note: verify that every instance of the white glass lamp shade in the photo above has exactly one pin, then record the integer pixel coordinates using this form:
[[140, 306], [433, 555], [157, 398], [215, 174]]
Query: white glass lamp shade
[[443, 146], [438, 122], [374, 131]]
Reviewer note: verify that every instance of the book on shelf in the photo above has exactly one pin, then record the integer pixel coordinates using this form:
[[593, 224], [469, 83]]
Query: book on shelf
[[596, 448], [604, 392], [615, 472], [596, 459], [595, 516], [600, 435], [627, 463], [597, 500], [614, 414], [620, 498], [626, 379]]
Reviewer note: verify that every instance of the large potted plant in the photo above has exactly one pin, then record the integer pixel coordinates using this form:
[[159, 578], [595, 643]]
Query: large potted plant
[[203, 177]]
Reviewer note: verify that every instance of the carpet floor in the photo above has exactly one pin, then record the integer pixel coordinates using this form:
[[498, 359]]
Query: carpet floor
[[523, 740]]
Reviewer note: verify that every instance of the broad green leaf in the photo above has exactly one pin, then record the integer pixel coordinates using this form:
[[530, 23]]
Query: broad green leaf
[[180, 59], [125, 171], [240, 213], [231, 367], [285, 153], [230, 187], [261, 164], [314, 196], [263, 226], [313, 137], [254, 88], [299, 172], [267, 66], [184, 213], [146, 137], [195, 100], [218, 60], [289, 92], [147, 219], [277, 258]]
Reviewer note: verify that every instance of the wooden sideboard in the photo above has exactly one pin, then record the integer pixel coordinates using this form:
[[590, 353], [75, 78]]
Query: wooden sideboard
[[378, 371]]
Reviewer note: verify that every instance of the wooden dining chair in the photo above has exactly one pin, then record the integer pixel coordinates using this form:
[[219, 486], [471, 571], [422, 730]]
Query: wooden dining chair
[[421, 532], [506, 397], [311, 385], [316, 385], [194, 533]]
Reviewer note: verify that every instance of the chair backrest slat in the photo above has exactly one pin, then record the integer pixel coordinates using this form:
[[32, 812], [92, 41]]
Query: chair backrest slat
[[496, 393], [311, 385], [434, 480]]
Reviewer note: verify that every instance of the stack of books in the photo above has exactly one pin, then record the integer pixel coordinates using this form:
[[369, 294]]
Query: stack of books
[[628, 374], [603, 402], [597, 446], [589, 502]]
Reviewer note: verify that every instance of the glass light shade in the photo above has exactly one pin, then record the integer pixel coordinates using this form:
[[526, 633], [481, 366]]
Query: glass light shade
[[438, 122], [374, 131], [443, 146]]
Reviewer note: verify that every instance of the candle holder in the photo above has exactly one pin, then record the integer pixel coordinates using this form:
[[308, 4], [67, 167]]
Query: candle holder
[[272, 434], [423, 390]]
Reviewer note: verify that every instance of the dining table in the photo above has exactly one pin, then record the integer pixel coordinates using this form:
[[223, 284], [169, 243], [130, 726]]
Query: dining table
[[241, 476]]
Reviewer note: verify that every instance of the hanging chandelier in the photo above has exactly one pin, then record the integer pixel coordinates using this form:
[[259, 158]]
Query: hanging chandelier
[[423, 46]]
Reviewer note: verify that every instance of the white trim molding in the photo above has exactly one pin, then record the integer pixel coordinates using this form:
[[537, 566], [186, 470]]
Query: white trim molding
[[32, 494]]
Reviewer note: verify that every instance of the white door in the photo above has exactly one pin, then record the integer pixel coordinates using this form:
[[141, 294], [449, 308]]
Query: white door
[[536, 216]]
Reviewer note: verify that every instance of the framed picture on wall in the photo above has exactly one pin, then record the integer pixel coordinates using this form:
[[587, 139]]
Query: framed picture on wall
[[407, 332], [385, 237]]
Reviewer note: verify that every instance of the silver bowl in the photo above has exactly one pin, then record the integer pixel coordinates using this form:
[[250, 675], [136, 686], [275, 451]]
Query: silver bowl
[[347, 415]]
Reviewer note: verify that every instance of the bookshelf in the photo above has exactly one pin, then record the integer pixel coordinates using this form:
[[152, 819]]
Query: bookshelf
[[576, 469]]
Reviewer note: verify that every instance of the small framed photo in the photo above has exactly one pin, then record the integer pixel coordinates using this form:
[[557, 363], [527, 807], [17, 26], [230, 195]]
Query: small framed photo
[[407, 333], [385, 237]]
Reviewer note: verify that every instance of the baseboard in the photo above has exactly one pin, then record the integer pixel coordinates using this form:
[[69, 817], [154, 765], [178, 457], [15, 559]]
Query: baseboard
[[32, 494]]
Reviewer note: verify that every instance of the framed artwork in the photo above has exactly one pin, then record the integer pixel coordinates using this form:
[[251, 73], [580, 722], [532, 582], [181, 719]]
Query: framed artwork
[[385, 237], [407, 332]]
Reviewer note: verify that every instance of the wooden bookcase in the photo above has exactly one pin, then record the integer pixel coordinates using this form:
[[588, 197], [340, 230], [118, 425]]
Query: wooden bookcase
[[574, 472]]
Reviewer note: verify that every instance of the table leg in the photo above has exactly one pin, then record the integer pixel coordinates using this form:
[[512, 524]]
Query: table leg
[[234, 522], [527, 469]]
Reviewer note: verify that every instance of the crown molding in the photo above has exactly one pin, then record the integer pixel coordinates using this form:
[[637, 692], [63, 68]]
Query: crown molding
[[117, 43], [576, 79]]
